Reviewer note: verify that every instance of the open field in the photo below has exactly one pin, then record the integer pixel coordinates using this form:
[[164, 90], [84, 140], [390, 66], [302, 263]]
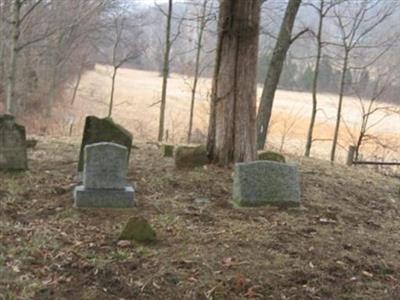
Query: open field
[[137, 94], [342, 243]]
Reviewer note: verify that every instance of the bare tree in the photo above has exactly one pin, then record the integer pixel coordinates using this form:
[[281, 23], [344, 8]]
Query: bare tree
[[201, 27], [165, 72], [355, 22], [373, 110], [322, 9], [231, 136], [283, 43]]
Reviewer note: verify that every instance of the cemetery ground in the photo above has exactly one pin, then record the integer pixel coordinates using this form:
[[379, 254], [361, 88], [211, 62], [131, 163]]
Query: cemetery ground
[[341, 243]]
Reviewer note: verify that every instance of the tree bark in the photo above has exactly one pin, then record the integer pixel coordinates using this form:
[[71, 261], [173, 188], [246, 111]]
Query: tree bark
[[11, 107], [233, 105], [202, 26], [112, 92], [315, 82], [274, 72], [165, 73], [340, 105]]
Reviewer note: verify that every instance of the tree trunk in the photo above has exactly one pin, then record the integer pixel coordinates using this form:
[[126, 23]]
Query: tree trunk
[[274, 72], [165, 73], [315, 83], [11, 107], [202, 26], [52, 94], [340, 105], [112, 92], [77, 83], [2, 43], [233, 105]]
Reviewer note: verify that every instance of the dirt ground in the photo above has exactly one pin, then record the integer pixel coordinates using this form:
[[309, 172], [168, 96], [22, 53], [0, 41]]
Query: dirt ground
[[342, 243]]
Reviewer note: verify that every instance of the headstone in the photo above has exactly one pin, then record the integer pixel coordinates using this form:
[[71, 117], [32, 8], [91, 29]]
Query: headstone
[[190, 156], [104, 178], [167, 150], [266, 183], [270, 155], [103, 130], [13, 154]]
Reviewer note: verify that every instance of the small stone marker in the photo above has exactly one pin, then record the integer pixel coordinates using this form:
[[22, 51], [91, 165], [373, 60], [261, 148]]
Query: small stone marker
[[103, 130], [13, 154], [190, 156], [270, 155], [266, 183], [104, 178], [138, 229], [167, 150]]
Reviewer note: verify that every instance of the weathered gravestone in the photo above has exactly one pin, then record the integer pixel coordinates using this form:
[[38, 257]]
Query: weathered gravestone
[[13, 155], [104, 178], [190, 156], [266, 183], [103, 130], [270, 155], [167, 150]]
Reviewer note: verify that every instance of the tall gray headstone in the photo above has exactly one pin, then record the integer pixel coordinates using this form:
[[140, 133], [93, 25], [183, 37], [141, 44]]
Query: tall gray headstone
[[104, 178], [266, 183], [13, 154]]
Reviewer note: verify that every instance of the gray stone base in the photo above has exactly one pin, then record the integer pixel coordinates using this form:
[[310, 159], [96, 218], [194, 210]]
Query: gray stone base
[[104, 198]]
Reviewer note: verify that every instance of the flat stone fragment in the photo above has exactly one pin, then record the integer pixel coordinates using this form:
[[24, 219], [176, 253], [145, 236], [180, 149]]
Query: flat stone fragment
[[104, 198], [13, 153], [105, 166], [138, 229], [266, 183], [103, 130], [189, 156]]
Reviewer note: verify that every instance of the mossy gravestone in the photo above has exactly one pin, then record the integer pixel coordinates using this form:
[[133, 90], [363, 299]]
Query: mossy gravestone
[[167, 150], [103, 130], [138, 229], [260, 183], [271, 155], [13, 154], [190, 156]]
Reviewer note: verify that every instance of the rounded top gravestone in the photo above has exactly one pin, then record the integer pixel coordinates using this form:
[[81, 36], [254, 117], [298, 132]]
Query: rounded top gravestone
[[105, 166]]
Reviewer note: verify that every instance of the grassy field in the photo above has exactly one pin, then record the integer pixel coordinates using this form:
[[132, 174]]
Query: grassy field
[[136, 107]]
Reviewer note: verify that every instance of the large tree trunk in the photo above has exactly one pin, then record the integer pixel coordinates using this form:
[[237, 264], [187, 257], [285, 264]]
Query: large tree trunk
[[274, 72], [233, 105], [202, 25], [315, 83], [165, 73], [11, 106], [2, 43], [340, 105]]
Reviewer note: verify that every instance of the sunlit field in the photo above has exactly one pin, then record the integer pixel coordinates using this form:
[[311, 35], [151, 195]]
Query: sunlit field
[[136, 107]]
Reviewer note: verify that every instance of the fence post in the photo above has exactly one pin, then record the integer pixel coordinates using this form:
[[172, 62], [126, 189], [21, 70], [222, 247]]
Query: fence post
[[350, 155]]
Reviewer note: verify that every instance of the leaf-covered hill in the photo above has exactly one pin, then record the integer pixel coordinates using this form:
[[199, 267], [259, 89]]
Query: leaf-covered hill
[[342, 243]]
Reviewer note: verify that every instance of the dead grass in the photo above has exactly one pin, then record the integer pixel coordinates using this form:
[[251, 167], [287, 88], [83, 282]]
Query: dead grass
[[138, 92], [340, 244]]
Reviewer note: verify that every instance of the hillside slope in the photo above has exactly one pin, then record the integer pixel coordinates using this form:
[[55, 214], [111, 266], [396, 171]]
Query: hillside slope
[[342, 243]]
